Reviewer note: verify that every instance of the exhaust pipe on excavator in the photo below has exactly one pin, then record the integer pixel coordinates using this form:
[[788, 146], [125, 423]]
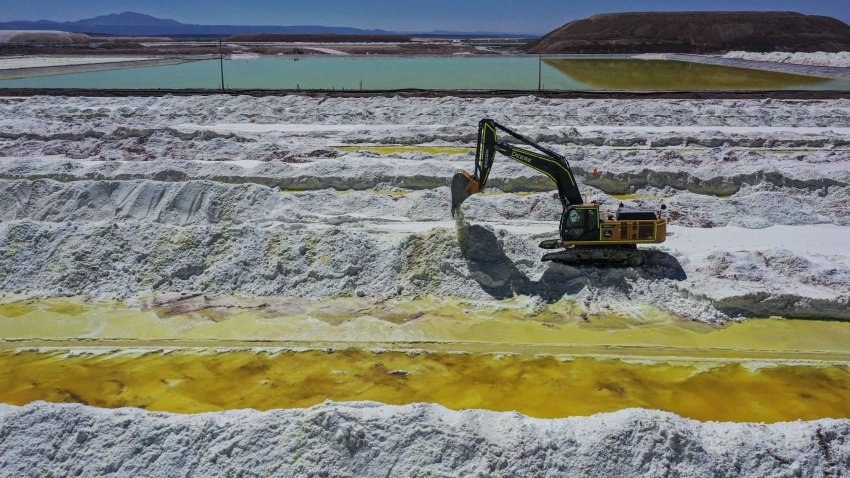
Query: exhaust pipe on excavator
[[463, 186]]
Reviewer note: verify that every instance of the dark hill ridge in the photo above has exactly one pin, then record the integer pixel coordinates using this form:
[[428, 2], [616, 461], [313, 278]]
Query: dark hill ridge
[[696, 32]]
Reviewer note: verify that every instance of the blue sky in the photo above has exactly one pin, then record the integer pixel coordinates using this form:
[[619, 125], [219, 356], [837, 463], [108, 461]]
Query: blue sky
[[527, 16]]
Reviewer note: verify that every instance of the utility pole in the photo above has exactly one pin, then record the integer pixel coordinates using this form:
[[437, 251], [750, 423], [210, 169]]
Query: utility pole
[[540, 72], [221, 63]]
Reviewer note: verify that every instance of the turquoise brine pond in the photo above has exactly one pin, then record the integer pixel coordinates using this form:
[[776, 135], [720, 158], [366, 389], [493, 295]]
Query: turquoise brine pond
[[435, 72]]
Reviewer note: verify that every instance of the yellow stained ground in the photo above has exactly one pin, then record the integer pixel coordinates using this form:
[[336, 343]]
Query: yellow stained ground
[[432, 323], [392, 149], [546, 387], [408, 149], [629, 197], [406, 192]]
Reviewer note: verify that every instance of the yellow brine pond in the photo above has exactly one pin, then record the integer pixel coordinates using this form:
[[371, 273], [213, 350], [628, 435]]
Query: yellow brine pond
[[213, 353]]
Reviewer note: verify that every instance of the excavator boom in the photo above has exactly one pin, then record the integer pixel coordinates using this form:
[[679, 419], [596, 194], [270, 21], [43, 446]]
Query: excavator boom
[[543, 159]]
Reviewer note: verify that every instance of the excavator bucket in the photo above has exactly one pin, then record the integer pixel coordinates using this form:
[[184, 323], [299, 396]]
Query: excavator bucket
[[463, 186]]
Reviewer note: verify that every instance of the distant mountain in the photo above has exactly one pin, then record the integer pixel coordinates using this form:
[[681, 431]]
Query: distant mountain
[[128, 19], [139, 24]]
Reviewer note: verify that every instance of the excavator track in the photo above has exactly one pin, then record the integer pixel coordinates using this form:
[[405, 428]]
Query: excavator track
[[598, 255]]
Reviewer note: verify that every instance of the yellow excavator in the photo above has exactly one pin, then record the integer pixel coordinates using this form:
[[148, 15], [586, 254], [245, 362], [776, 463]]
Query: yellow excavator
[[586, 234]]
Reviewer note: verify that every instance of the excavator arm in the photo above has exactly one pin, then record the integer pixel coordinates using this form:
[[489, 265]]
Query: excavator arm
[[540, 158]]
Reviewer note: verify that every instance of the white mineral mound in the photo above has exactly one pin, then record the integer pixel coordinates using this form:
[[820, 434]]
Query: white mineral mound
[[370, 439], [41, 36], [840, 59]]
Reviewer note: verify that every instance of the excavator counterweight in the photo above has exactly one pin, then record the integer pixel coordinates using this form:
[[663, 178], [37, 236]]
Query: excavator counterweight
[[586, 234]]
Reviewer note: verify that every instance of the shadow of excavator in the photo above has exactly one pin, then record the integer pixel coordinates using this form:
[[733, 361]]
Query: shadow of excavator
[[500, 277]]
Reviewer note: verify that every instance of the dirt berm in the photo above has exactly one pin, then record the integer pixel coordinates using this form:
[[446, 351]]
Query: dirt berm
[[696, 32]]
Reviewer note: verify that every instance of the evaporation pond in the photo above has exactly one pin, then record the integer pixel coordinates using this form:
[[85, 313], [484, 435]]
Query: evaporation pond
[[214, 353], [191, 381], [508, 72]]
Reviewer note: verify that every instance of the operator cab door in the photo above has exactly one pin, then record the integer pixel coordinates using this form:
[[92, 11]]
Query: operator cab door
[[580, 224]]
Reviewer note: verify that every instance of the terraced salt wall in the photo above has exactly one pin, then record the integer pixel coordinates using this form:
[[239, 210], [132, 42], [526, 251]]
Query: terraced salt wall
[[217, 195]]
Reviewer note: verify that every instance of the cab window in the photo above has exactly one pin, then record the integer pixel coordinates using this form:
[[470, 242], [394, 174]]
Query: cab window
[[581, 224]]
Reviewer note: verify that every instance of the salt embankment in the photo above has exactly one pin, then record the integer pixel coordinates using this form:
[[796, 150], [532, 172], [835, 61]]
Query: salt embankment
[[370, 439], [835, 59]]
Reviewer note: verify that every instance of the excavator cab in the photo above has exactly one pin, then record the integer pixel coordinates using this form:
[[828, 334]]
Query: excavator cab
[[580, 223]]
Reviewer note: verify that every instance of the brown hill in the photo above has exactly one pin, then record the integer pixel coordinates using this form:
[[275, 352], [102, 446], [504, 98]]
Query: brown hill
[[696, 32]]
